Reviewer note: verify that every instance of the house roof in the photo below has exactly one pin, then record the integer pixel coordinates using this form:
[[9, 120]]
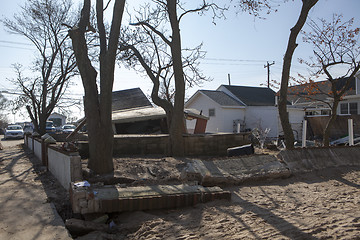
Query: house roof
[[130, 98], [138, 114], [221, 98], [317, 91], [149, 113], [253, 96]]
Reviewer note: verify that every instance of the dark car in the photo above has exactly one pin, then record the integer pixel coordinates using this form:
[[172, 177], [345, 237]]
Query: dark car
[[50, 128]]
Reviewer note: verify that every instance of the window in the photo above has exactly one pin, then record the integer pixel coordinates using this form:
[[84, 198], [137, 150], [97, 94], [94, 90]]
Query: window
[[349, 108], [353, 107], [211, 112], [343, 108], [325, 112]]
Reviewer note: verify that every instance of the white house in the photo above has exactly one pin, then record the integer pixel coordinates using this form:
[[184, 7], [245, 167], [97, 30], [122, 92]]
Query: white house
[[58, 119], [233, 108]]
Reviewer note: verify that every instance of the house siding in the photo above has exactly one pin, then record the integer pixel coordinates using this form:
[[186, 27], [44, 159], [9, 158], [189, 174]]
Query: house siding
[[263, 117], [223, 119], [296, 118]]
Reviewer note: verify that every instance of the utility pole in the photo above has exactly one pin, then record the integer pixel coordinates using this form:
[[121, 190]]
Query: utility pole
[[268, 70]]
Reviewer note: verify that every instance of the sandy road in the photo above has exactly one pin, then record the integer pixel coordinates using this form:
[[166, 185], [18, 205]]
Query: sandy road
[[8, 143]]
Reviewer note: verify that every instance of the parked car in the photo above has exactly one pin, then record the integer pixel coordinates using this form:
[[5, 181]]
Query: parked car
[[50, 128], [28, 129], [68, 128], [14, 131]]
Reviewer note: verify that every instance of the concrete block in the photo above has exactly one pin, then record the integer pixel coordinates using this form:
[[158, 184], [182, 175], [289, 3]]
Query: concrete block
[[114, 199]]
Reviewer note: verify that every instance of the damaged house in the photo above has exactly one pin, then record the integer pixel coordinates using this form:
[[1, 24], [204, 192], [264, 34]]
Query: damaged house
[[133, 113]]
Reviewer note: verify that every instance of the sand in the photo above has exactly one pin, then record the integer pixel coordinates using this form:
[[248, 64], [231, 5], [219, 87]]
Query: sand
[[318, 205]]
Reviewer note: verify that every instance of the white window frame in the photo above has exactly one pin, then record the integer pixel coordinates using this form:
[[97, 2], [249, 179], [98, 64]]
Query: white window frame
[[348, 108]]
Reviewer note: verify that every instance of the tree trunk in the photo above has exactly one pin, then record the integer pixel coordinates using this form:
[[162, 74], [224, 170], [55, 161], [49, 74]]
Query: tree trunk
[[176, 128], [100, 137], [329, 124], [98, 107], [282, 106]]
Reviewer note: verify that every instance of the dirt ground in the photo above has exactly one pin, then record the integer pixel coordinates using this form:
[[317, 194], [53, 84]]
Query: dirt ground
[[318, 205]]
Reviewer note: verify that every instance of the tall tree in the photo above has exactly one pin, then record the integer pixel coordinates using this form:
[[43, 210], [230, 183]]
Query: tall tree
[[282, 103], [40, 21], [98, 105], [170, 67], [335, 45]]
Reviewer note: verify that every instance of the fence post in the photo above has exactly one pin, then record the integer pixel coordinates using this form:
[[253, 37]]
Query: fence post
[[351, 132], [303, 144]]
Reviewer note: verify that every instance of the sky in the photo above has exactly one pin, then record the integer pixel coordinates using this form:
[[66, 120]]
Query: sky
[[238, 46]]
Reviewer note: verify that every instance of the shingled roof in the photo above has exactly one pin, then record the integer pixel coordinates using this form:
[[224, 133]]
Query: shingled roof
[[130, 98], [221, 98], [253, 96]]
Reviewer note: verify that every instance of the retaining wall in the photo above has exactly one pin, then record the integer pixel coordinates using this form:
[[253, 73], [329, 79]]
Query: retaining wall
[[195, 145], [308, 159], [65, 166], [37, 148], [28, 141]]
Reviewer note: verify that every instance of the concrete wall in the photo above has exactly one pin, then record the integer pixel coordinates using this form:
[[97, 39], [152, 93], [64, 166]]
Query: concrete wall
[[213, 144], [195, 145], [28, 141], [309, 159], [65, 166], [37, 148]]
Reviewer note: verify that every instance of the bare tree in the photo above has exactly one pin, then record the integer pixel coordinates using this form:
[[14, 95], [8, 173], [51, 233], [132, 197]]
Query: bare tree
[[170, 67], [335, 45], [98, 106], [282, 104], [40, 21], [3, 118]]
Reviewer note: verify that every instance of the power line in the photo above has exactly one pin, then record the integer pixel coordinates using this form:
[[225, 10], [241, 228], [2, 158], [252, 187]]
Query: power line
[[231, 64], [16, 47], [12, 42], [233, 60]]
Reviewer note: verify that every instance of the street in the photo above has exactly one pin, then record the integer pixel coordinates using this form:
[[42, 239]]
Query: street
[[8, 143]]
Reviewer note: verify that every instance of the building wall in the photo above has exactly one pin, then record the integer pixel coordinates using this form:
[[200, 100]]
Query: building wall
[[352, 99], [263, 117], [223, 119], [62, 118], [296, 118]]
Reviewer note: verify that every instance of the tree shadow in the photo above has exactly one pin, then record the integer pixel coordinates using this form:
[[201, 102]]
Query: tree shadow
[[284, 227], [21, 201]]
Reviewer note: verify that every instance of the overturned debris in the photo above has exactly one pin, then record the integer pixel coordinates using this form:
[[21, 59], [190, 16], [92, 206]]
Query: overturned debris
[[241, 150], [111, 198]]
